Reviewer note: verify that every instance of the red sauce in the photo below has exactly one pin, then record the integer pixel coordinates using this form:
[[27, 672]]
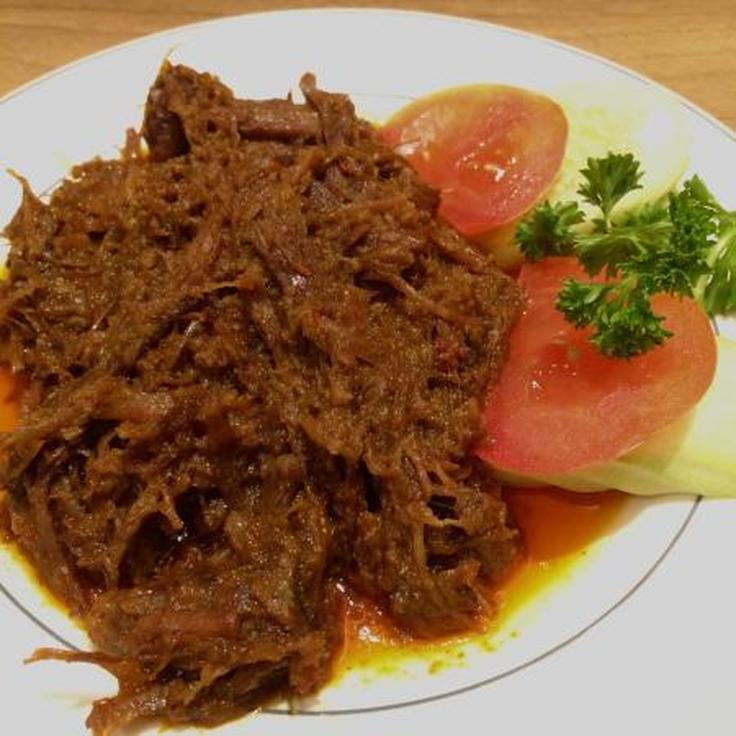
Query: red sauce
[[9, 387], [556, 527], [555, 523], [8, 422]]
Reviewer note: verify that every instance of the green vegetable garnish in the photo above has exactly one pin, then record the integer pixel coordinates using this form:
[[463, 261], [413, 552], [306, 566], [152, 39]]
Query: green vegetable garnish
[[546, 232], [685, 246], [608, 179]]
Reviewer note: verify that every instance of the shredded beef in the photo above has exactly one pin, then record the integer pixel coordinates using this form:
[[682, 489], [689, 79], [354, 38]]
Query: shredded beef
[[254, 360]]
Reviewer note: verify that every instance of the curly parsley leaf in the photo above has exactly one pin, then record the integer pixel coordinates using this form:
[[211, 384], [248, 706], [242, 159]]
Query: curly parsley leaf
[[718, 291], [623, 322], [548, 230], [685, 246], [609, 179]]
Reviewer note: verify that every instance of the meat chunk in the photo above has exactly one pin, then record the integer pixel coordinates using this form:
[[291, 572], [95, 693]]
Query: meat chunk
[[255, 360]]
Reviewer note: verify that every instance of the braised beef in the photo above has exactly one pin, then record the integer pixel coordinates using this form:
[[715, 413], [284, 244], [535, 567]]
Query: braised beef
[[255, 358]]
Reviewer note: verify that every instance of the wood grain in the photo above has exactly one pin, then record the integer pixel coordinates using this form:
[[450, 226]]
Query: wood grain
[[687, 46]]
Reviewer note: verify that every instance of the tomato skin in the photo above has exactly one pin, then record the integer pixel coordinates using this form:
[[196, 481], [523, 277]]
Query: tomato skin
[[560, 405], [491, 150]]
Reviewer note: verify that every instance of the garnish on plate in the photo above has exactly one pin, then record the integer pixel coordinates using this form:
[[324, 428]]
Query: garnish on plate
[[684, 246]]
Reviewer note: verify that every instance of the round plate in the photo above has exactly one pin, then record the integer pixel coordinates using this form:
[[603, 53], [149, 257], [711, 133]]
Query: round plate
[[381, 59]]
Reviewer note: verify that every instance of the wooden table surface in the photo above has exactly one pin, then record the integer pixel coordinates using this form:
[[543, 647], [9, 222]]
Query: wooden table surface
[[687, 46]]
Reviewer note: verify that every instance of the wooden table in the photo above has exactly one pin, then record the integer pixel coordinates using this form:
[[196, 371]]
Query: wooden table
[[688, 46]]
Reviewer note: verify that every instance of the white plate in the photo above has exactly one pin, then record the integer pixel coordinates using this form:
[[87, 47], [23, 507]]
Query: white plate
[[382, 59]]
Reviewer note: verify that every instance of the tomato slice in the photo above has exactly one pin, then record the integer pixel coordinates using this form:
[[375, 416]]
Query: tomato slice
[[561, 405], [491, 150]]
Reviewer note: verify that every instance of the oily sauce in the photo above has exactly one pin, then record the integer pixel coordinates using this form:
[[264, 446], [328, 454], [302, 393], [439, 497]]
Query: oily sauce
[[9, 389], [555, 523], [556, 526], [8, 420]]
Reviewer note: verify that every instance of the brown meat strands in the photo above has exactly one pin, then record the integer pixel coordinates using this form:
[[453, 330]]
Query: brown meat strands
[[255, 360]]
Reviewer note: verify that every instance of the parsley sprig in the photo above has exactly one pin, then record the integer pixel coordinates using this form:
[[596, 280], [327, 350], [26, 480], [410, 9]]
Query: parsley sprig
[[684, 246]]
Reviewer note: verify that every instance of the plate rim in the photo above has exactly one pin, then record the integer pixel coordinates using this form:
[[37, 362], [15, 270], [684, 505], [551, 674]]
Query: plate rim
[[372, 10], [224, 20]]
